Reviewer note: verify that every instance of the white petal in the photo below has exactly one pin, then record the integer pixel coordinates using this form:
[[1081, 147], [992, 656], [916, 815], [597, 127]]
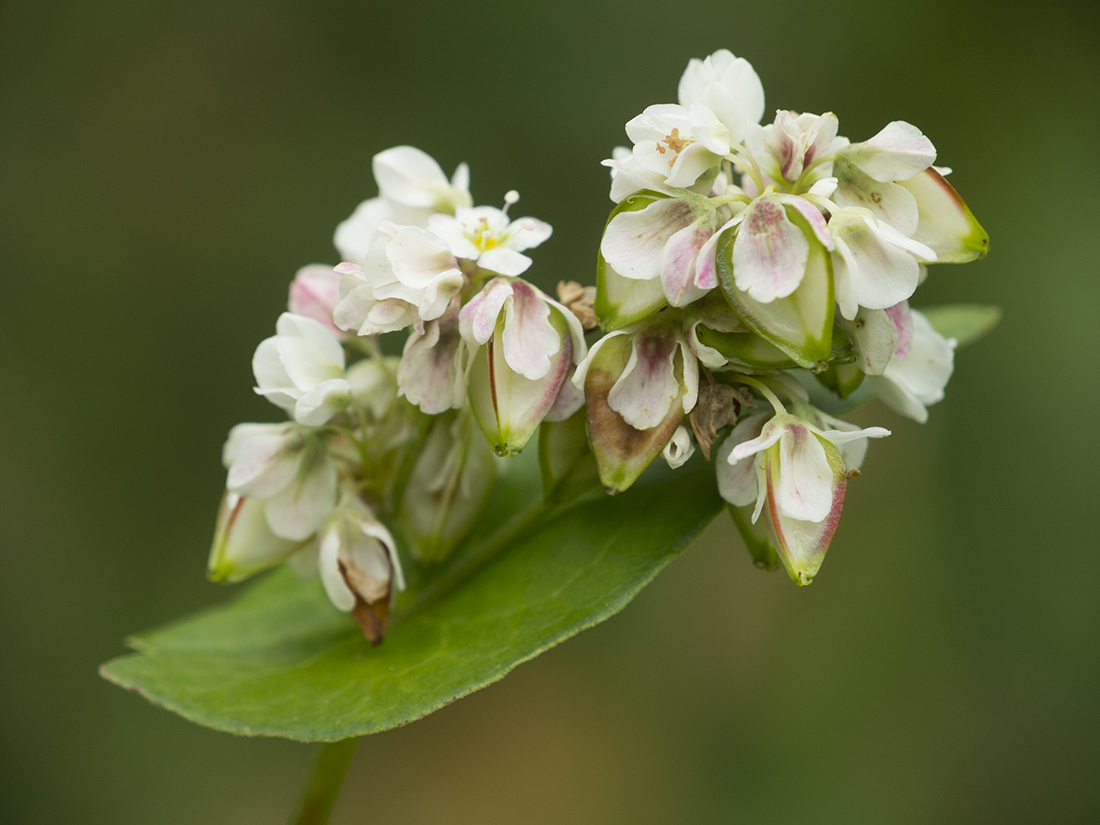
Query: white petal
[[633, 243], [478, 318], [804, 487], [647, 387], [297, 511], [504, 260], [679, 448], [409, 176], [261, 458], [898, 152], [329, 565], [321, 403], [737, 479], [529, 339], [769, 253]]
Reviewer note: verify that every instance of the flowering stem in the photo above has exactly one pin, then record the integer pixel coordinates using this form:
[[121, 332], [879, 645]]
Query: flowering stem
[[320, 794], [762, 388]]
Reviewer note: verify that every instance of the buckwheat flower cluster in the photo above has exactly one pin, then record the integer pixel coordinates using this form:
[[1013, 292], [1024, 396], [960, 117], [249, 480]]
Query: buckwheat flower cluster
[[749, 261], [381, 446], [753, 283]]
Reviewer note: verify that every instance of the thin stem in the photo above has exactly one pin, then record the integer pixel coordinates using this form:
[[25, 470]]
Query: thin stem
[[762, 388], [319, 795]]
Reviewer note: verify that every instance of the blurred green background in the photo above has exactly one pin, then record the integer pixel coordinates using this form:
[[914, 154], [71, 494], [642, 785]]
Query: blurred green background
[[164, 169]]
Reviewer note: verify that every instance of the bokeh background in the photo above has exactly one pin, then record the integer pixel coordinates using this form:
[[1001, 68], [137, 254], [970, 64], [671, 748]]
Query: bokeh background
[[164, 169]]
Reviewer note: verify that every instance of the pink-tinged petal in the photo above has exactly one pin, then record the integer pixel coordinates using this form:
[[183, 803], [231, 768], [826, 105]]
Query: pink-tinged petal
[[478, 319], [737, 479], [678, 263], [911, 384], [622, 452], [897, 153], [314, 292], [769, 253], [903, 321], [409, 176], [769, 435], [946, 225], [647, 387], [783, 141], [430, 374], [569, 400], [633, 243], [803, 490], [504, 260], [530, 340], [813, 217], [818, 134]]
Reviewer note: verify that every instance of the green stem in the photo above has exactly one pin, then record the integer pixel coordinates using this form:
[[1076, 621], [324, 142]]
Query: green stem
[[319, 795]]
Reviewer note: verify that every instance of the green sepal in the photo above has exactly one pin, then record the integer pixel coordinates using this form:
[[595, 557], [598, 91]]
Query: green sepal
[[800, 325], [566, 461], [749, 350], [945, 222], [621, 301], [756, 537]]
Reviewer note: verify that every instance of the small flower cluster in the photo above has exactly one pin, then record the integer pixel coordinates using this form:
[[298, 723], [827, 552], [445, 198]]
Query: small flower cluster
[[744, 267], [745, 262], [382, 445]]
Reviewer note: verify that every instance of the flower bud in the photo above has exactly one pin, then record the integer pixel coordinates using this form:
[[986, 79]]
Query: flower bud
[[301, 369], [243, 543], [638, 383], [524, 346], [449, 484], [314, 292], [357, 559]]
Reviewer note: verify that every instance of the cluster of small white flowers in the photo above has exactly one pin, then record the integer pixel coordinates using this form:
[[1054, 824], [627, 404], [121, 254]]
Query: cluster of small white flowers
[[756, 254], [376, 440], [743, 264]]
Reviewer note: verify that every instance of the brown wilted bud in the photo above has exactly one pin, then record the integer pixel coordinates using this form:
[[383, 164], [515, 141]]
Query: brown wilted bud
[[580, 300]]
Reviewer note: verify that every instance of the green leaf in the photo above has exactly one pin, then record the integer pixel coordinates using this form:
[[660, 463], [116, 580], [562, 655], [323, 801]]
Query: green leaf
[[966, 323], [279, 660]]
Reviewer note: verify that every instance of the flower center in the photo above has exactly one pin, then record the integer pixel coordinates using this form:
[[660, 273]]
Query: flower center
[[674, 143]]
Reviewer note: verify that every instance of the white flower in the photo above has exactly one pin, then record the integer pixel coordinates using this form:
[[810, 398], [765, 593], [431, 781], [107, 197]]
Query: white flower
[[669, 239], [679, 143], [728, 86], [431, 373], [679, 448], [795, 143], [874, 265], [916, 376], [799, 469], [409, 276], [486, 235], [301, 369], [524, 345], [359, 566], [412, 186]]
